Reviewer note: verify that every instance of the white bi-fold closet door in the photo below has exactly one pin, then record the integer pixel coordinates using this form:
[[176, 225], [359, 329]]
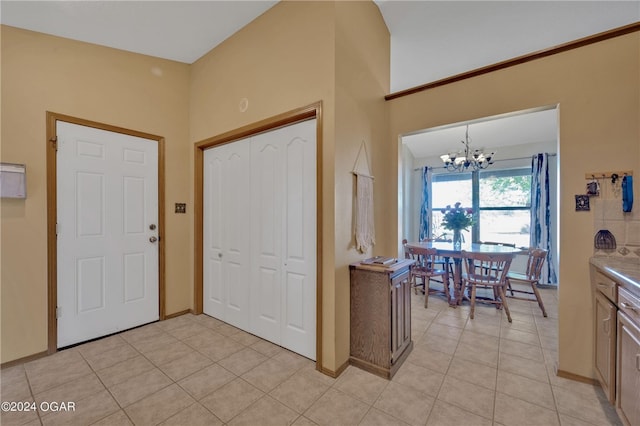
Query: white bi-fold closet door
[[260, 235]]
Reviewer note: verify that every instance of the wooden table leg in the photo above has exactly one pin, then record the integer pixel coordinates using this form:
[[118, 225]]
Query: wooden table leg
[[457, 280]]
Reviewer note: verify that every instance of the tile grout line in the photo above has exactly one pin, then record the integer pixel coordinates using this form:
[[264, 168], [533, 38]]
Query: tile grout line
[[516, 374], [33, 396], [196, 401], [459, 339], [108, 390], [92, 372], [553, 393], [267, 358], [495, 393]]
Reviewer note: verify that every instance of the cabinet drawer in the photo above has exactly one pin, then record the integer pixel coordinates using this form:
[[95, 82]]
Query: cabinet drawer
[[605, 285], [629, 304]]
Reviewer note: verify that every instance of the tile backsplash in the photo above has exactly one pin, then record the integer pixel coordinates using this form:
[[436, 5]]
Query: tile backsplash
[[625, 227]]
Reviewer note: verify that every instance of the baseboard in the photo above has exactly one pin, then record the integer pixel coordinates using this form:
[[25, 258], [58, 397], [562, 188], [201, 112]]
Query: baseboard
[[384, 372], [45, 353], [332, 373], [371, 368], [576, 377], [177, 314], [24, 359]]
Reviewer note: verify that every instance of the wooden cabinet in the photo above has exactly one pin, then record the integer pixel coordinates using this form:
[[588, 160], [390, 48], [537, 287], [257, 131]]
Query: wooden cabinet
[[628, 361], [605, 285], [380, 317], [605, 336], [617, 340]]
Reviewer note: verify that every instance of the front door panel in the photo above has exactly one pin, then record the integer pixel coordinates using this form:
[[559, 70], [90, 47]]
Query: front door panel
[[107, 189]]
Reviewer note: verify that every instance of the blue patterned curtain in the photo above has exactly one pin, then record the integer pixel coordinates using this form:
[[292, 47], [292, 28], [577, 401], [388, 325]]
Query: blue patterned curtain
[[541, 214], [425, 206]]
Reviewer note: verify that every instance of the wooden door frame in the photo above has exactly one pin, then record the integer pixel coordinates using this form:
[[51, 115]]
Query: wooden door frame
[[52, 200], [288, 118]]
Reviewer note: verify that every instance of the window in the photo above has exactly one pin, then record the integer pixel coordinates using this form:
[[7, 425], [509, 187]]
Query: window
[[500, 198], [448, 189]]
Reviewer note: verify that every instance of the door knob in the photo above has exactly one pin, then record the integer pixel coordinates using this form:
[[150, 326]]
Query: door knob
[[153, 239]]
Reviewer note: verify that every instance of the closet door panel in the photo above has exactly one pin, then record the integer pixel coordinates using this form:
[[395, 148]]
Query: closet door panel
[[213, 289], [266, 225], [235, 232], [299, 234], [227, 175]]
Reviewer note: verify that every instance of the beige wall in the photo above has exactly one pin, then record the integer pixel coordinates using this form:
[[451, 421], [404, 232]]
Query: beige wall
[[362, 80], [337, 53], [42, 73], [597, 89]]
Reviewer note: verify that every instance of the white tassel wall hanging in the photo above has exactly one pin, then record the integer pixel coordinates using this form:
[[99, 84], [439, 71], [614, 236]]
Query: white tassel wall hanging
[[364, 226]]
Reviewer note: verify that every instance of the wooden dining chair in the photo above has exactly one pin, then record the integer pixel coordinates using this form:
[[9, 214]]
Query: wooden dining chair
[[409, 254], [496, 243], [531, 277], [425, 269], [441, 262], [486, 270]]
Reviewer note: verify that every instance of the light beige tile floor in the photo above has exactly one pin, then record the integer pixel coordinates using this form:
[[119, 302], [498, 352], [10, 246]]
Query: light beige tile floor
[[195, 370]]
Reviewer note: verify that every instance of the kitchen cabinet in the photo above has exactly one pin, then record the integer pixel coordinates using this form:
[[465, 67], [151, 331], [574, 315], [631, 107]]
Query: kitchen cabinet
[[380, 316], [605, 336], [628, 361], [616, 288]]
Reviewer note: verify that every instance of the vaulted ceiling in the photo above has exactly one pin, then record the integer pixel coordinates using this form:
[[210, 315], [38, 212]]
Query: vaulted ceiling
[[430, 40]]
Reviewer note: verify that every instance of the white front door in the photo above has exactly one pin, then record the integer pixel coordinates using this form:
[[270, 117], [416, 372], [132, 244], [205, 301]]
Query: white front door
[[107, 231]]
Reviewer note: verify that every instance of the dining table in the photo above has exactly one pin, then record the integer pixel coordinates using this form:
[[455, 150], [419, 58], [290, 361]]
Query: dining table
[[446, 250]]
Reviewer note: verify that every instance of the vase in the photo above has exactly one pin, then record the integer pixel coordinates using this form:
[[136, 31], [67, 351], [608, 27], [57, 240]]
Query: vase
[[457, 239]]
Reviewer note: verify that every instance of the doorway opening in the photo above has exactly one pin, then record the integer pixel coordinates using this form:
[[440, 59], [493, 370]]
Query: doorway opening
[[500, 195]]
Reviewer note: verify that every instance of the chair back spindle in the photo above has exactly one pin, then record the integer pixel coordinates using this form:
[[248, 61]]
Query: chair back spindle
[[535, 262]]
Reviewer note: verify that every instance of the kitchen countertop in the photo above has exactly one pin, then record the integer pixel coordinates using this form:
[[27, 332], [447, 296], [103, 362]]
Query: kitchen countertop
[[625, 271]]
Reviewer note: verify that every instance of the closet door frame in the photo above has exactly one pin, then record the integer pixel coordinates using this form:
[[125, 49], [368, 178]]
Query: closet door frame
[[313, 111]]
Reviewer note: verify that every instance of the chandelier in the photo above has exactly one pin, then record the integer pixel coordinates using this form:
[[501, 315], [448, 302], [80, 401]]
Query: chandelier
[[462, 160]]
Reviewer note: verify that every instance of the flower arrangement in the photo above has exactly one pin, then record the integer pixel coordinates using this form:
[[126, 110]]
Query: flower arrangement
[[456, 217]]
